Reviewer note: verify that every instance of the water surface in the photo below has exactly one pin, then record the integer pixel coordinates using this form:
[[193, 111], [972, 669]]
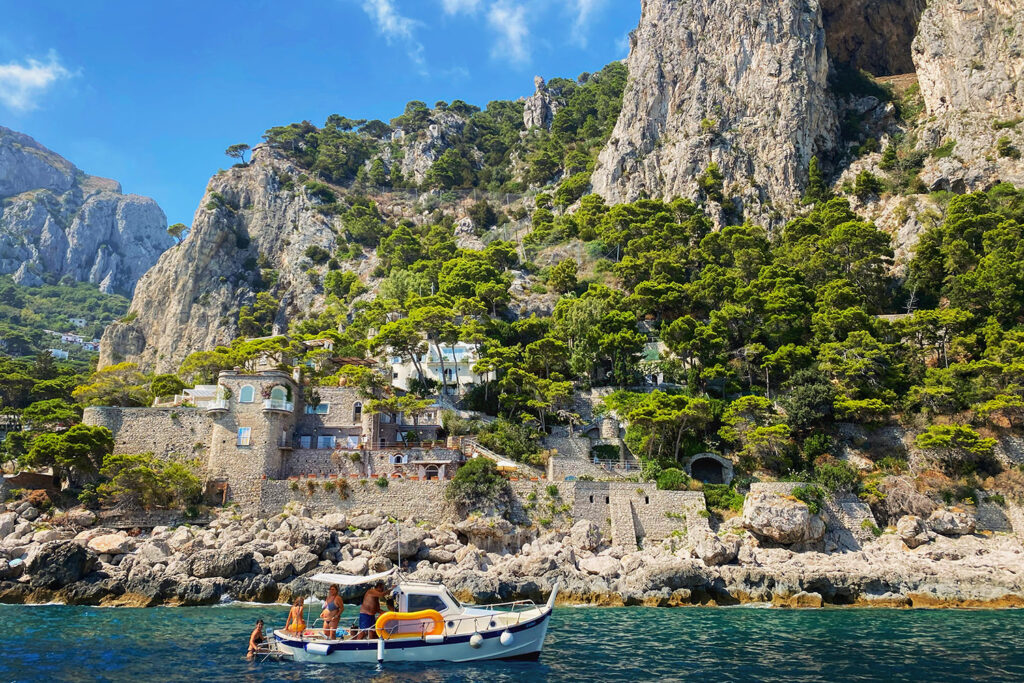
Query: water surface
[[61, 643]]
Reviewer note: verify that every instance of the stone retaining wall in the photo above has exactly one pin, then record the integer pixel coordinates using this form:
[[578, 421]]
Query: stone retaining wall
[[401, 499], [169, 433]]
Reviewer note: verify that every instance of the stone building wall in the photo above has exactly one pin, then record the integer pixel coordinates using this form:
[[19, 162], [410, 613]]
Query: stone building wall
[[401, 499], [169, 433]]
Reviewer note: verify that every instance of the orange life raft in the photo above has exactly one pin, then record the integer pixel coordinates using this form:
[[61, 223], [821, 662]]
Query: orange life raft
[[427, 622]]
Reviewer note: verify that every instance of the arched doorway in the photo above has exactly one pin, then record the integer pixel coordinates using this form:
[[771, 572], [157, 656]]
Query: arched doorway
[[710, 468], [430, 472]]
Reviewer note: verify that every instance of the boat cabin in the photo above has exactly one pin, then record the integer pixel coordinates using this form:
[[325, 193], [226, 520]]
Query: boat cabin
[[414, 596]]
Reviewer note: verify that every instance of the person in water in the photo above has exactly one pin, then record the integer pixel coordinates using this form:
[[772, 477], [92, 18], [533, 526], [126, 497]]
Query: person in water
[[332, 611], [255, 640], [370, 608], [295, 623]]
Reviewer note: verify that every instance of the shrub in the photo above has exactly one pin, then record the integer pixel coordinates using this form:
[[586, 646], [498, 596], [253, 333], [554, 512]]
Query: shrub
[[945, 150], [1005, 148], [553, 491], [293, 485], [147, 482], [996, 498], [673, 479], [867, 184], [959, 450], [329, 486], [836, 476], [870, 526], [722, 497], [478, 485], [516, 441], [892, 465], [40, 499], [812, 496], [382, 482]]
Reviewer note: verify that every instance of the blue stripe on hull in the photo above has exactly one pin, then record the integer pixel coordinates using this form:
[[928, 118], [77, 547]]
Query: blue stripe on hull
[[400, 644]]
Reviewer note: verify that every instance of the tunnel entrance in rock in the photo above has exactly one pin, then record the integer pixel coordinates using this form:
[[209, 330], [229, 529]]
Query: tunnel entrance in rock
[[872, 35]]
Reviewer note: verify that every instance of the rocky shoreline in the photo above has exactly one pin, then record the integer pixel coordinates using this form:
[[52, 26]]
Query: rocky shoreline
[[67, 559]]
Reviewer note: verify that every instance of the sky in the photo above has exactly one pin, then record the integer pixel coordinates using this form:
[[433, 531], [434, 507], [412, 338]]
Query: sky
[[151, 93]]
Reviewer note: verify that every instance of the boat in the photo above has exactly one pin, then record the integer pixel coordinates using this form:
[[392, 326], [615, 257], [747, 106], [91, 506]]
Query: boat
[[428, 624]]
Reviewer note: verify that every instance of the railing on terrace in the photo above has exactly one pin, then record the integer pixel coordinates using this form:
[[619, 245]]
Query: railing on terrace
[[275, 404], [217, 404], [616, 465]]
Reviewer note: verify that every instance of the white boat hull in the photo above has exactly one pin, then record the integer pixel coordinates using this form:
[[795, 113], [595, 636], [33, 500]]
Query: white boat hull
[[525, 643]]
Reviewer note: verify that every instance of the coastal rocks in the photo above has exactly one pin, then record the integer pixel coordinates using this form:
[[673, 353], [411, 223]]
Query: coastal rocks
[[745, 87], [394, 543], [112, 544], [492, 534], [602, 565], [366, 522], [913, 531], [336, 521], [8, 521], [951, 522], [80, 517], [715, 551], [218, 563], [781, 519], [58, 564], [585, 535]]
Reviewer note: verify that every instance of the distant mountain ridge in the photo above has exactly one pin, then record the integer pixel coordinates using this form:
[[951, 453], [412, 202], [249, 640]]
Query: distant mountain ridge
[[57, 221]]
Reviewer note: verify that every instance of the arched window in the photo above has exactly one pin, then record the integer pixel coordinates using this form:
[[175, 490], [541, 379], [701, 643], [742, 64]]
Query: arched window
[[357, 412], [397, 459], [278, 394], [431, 472], [247, 394]]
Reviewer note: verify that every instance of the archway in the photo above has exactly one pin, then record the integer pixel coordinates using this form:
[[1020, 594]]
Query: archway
[[431, 472], [710, 468]]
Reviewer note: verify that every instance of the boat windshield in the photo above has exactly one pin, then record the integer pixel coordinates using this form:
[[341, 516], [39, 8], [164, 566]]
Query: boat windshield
[[453, 598]]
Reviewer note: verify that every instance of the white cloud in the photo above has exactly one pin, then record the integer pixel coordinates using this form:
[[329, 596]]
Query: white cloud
[[21, 84], [509, 20], [584, 11], [395, 27], [456, 6]]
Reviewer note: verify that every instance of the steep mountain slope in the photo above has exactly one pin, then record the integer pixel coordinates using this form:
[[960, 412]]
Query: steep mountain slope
[[747, 90], [57, 221]]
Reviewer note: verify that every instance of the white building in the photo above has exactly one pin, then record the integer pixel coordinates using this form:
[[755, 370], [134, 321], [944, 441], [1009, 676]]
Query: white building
[[78, 322], [58, 354], [458, 368]]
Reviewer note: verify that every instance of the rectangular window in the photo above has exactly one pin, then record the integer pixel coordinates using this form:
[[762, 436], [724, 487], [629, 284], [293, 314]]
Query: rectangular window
[[352, 441], [244, 435], [305, 441], [321, 409], [324, 442]]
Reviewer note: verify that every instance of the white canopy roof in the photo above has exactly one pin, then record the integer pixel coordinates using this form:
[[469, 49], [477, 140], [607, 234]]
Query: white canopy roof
[[351, 580]]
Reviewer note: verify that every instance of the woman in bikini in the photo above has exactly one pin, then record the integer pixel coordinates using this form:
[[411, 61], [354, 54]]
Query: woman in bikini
[[332, 611], [295, 623], [256, 639]]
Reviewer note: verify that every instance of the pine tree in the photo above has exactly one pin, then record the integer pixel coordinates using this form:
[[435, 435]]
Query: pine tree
[[817, 190]]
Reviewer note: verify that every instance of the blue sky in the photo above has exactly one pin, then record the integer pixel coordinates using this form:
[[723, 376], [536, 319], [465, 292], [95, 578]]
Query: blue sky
[[150, 93]]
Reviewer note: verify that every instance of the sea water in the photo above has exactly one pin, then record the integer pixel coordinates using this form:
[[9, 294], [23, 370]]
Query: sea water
[[52, 642]]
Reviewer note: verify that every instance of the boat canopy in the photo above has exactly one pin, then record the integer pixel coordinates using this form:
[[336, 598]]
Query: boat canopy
[[351, 580]]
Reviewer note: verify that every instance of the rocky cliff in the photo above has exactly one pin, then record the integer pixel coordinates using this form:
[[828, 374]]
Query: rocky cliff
[[746, 89], [750, 89], [57, 221], [249, 234]]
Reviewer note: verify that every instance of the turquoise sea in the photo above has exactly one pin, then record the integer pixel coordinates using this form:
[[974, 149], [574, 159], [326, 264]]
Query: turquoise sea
[[51, 642]]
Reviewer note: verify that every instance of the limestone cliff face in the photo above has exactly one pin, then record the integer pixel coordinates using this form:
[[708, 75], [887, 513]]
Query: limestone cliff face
[[745, 86], [969, 56], [540, 108], [189, 300], [56, 221]]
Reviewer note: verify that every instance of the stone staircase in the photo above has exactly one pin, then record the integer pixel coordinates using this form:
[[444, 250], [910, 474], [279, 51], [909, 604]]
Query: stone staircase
[[623, 529]]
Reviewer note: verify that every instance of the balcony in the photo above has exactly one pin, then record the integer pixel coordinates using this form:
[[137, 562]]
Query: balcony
[[219, 405], [272, 405]]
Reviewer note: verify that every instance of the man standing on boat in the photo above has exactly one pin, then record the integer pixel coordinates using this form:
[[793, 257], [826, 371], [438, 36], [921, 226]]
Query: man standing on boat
[[370, 608]]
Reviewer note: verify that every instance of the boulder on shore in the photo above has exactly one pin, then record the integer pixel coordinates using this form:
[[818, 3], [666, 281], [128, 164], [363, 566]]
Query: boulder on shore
[[913, 531], [58, 564], [782, 519], [951, 522]]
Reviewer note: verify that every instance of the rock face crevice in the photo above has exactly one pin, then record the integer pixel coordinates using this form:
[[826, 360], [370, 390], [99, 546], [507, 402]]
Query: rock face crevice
[[746, 88], [873, 35], [56, 221]]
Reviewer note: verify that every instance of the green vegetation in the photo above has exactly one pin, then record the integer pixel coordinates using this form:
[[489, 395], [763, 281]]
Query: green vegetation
[[478, 486], [144, 481], [812, 496], [26, 312], [719, 497]]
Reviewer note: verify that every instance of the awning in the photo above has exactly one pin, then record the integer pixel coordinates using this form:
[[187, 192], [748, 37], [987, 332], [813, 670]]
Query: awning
[[351, 580]]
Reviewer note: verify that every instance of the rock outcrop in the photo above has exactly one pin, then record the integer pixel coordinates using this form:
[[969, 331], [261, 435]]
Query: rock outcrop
[[540, 108], [248, 224], [745, 87], [969, 56], [56, 221]]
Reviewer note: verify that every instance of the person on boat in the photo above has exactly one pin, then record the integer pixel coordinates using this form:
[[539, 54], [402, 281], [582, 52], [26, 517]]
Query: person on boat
[[256, 639], [370, 608], [295, 623], [332, 611]]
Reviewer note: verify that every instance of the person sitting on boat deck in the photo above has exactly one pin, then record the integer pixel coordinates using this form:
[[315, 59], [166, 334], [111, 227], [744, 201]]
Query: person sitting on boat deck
[[332, 611], [370, 608], [255, 640], [295, 623]]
